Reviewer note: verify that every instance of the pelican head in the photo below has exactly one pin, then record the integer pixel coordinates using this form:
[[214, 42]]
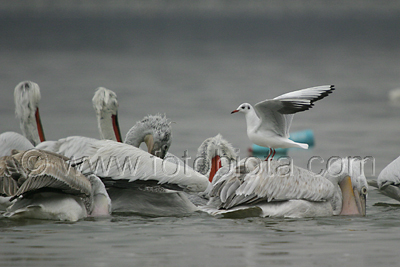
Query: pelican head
[[214, 153], [348, 173], [155, 131], [26, 98], [105, 104]]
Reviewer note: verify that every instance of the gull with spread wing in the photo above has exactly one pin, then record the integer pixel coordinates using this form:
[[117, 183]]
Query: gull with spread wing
[[269, 121]]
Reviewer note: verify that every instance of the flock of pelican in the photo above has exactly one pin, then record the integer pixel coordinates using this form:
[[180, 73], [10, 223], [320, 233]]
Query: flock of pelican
[[77, 177]]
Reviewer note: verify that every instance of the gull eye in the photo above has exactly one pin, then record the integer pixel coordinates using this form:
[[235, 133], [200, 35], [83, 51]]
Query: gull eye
[[242, 107], [248, 107]]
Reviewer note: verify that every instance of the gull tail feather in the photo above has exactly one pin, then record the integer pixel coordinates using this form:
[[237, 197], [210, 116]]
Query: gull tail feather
[[301, 145]]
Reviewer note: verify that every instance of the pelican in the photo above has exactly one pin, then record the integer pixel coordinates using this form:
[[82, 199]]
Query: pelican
[[142, 183], [268, 123], [388, 181], [153, 130], [105, 104], [26, 98], [213, 153], [276, 189], [44, 186], [13, 140]]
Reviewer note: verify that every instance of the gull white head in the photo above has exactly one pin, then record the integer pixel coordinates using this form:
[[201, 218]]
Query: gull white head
[[26, 98], [244, 108], [105, 104]]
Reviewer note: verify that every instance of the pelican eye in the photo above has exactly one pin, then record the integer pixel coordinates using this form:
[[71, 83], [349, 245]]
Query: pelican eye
[[364, 190]]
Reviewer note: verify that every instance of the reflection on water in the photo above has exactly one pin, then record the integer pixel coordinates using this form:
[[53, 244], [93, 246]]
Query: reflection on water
[[203, 240]]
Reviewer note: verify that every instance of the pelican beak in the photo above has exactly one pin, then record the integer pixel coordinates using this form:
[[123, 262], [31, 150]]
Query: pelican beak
[[160, 153], [148, 139], [361, 201], [116, 129], [354, 202], [215, 166], [236, 110], [39, 126]]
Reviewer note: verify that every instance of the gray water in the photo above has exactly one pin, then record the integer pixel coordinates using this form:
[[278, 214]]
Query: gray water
[[196, 70]]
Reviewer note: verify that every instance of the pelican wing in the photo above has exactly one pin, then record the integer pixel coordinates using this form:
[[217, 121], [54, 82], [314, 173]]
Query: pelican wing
[[13, 140], [272, 181], [8, 183], [47, 170], [120, 161], [390, 175], [73, 147]]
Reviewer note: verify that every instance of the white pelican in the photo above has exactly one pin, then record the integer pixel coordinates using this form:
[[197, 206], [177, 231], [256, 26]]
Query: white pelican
[[26, 98], [273, 188], [388, 180], [269, 121], [154, 130], [213, 153], [105, 104], [45, 186], [13, 140], [143, 183]]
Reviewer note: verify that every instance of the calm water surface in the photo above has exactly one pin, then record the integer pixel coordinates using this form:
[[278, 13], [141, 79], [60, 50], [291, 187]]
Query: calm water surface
[[197, 70]]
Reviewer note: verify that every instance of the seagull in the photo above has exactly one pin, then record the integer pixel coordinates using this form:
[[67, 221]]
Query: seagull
[[269, 121]]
